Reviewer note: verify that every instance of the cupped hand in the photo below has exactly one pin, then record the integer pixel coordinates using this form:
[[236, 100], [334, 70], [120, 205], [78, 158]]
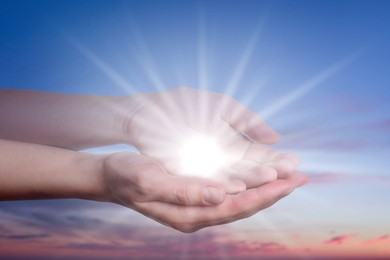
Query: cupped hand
[[164, 120], [184, 203], [132, 178]]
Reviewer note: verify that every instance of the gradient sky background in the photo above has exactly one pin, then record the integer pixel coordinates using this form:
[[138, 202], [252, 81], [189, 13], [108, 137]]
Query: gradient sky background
[[319, 71]]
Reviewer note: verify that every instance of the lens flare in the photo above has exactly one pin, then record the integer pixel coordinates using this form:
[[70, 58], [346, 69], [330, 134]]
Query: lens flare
[[202, 156]]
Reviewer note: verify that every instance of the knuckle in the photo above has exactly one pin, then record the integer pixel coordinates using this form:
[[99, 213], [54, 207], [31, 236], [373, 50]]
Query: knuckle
[[182, 195], [142, 180]]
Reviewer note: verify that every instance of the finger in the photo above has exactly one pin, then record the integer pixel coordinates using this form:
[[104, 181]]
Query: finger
[[284, 168], [252, 201], [292, 157], [247, 203], [283, 163], [251, 173], [191, 218], [297, 179], [232, 186], [189, 191], [243, 119], [257, 152], [235, 146]]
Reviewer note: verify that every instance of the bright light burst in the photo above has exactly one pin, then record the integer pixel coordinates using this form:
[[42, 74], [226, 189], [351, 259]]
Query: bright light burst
[[201, 156]]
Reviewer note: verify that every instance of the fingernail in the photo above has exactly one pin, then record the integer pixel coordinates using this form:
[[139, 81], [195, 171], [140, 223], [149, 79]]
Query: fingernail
[[212, 195]]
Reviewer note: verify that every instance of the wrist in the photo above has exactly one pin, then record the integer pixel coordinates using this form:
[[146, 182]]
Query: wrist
[[126, 108], [93, 186]]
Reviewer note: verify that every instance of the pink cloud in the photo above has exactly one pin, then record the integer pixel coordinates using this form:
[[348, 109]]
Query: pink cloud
[[324, 178], [43, 233], [338, 240], [377, 240], [255, 248], [356, 104], [340, 136], [332, 177], [143, 243]]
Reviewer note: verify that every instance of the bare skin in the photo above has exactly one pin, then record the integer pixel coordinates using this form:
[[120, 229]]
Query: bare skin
[[40, 132], [155, 123], [31, 171]]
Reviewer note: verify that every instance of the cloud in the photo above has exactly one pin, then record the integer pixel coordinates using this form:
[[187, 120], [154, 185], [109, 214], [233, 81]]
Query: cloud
[[4, 229], [377, 240], [332, 177], [104, 233], [258, 248], [206, 244], [324, 178], [25, 236], [356, 103], [119, 241], [338, 240], [347, 135], [64, 218]]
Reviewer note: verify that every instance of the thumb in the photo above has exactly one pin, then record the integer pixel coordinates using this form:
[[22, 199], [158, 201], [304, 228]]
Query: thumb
[[245, 120], [190, 191]]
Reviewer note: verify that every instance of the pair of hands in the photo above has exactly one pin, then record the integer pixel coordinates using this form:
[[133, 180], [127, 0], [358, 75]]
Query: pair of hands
[[154, 183]]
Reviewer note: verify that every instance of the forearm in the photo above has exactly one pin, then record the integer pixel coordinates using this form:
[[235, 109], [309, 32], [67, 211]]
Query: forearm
[[63, 120], [30, 171]]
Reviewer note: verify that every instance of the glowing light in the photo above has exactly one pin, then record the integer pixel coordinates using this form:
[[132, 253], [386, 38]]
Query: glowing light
[[201, 156]]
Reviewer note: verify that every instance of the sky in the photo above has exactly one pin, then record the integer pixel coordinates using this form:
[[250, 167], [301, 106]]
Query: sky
[[318, 71]]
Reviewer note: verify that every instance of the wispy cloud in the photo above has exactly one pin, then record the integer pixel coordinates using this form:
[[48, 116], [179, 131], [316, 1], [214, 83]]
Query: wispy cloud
[[324, 178], [332, 178], [338, 240], [377, 240], [207, 244], [140, 242], [25, 236]]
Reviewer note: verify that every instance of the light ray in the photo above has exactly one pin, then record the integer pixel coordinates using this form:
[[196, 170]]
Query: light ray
[[143, 55], [108, 71], [246, 100], [146, 61], [202, 73], [305, 88], [243, 63], [127, 87], [275, 230], [202, 60], [279, 232], [104, 67], [250, 97]]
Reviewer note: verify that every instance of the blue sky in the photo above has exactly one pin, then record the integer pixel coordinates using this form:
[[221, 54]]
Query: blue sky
[[317, 70]]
